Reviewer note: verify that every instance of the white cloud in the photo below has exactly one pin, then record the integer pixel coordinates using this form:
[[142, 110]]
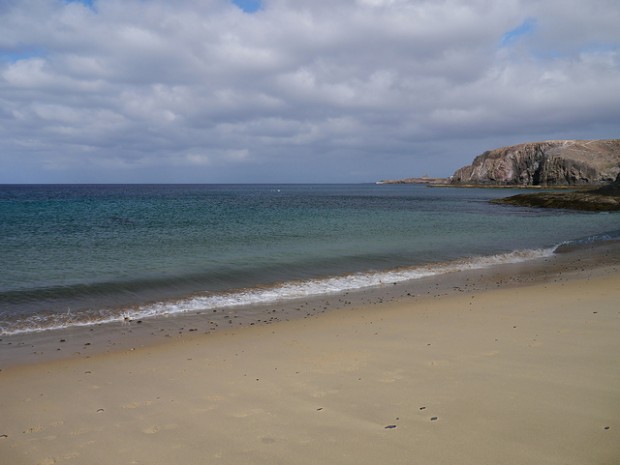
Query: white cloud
[[102, 93]]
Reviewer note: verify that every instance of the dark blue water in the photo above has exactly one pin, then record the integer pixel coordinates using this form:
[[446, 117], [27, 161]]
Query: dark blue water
[[81, 254]]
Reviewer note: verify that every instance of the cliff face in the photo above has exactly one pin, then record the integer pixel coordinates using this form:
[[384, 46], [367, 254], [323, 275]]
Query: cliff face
[[553, 163]]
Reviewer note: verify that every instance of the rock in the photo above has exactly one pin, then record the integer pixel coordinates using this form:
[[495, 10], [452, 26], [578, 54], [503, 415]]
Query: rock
[[612, 189], [549, 163], [606, 198]]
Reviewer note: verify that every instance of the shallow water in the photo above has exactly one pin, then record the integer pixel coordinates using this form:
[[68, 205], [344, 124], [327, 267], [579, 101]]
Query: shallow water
[[82, 254]]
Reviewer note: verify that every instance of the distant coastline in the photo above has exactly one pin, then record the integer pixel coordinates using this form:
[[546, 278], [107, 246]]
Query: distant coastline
[[421, 180]]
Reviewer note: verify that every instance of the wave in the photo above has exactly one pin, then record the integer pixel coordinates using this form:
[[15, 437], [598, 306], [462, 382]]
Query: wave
[[261, 295], [587, 241]]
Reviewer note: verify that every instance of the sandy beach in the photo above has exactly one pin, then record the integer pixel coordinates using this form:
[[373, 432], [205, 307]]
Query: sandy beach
[[527, 372]]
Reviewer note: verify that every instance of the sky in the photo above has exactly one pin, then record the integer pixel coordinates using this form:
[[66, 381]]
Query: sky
[[276, 91]]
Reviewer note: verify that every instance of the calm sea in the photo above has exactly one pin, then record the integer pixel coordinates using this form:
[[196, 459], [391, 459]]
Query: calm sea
[[86, 254]]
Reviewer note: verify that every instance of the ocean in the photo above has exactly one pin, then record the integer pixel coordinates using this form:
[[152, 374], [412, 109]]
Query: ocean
[[79, 255]]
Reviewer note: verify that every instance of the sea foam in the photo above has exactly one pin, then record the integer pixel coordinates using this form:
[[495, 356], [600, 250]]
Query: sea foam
[[332, 285], [267, 295]]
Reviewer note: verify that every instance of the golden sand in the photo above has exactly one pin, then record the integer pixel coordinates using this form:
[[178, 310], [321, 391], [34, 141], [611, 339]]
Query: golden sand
[[524, 375]]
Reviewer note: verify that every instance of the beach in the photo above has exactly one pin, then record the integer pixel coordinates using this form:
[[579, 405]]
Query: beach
[[513, 365]]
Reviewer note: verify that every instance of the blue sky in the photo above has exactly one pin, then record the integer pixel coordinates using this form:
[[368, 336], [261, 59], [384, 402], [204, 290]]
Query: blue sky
[[249, 6], [526, 28], [16, 55], [88, 3], [295, 90]]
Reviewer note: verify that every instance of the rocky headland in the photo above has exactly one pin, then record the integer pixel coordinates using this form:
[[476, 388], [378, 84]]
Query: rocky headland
[[553, 163], [588, 171]]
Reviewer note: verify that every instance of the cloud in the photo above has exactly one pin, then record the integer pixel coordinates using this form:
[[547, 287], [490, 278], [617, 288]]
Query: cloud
[[304, 90]]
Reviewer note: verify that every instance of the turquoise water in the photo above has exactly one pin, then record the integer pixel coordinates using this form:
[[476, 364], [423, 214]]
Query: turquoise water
[[97, 253]]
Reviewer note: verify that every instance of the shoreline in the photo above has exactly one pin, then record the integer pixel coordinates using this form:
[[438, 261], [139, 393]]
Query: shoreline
[[92, 340], [261, 295], [512, 365]]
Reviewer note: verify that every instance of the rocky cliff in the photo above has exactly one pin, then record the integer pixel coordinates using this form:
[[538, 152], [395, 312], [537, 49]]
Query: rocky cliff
[[549, 163]]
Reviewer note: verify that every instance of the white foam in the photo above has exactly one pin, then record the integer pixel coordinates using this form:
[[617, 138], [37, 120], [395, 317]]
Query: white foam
[[278, 293], [326, 286]]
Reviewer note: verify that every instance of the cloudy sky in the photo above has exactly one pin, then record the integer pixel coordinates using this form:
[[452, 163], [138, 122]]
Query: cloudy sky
[[295, 90]]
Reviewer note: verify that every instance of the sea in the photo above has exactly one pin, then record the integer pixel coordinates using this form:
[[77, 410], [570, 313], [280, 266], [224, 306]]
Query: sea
[[80, 255]]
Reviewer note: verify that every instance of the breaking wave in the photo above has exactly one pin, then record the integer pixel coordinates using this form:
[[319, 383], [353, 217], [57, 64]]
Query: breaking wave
[[280, 292]]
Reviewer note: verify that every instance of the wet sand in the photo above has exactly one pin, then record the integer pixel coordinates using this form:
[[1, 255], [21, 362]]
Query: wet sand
[[85, 342], [514, 365]]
